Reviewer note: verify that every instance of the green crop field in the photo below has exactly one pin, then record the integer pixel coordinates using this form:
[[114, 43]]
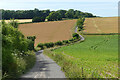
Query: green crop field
[[96, 57]]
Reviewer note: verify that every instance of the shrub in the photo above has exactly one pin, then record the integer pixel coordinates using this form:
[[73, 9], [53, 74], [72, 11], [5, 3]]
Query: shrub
[[31, 38], [37, 49], [51, 44], [76, 35], [80, 21], [71, 40], [30, 45], [13, 23], [41, 45], [48, 45], [31, 41], [58, 43], [65, 41], [38, 19], [75, 39], [79, 29]]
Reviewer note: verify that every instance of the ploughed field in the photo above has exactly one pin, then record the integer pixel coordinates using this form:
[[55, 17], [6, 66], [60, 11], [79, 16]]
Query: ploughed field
[[101, 25], [96, 57], [48, 31]]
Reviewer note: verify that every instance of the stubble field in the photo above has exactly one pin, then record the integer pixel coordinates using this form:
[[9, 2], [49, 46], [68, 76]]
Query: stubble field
[[48, 31], [20, 20], [101, 25]]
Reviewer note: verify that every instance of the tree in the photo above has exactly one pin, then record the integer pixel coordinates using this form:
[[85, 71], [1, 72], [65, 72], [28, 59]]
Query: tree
[[29, 14], [62, 13], [58, 43], [13, 23], [77, 14], [54, 16], [38, 19], [69, 13]]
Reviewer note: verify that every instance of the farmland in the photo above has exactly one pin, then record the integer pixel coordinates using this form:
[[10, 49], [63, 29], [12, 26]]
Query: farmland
[[81, 45], [48, 31], [20, 20], [96, 57], [101, 25]]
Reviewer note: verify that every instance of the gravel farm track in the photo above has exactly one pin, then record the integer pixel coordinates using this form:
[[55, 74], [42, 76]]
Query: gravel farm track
[[44, 68]]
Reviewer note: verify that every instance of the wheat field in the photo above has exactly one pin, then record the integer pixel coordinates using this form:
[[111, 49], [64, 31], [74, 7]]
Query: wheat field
[[48, 31], [101, 25]]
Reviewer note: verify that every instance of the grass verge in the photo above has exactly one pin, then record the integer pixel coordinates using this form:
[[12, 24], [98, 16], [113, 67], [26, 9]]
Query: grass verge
[[71, 71]]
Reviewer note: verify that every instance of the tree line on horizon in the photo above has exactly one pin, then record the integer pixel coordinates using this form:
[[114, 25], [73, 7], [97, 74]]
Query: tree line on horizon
[[44, 14]]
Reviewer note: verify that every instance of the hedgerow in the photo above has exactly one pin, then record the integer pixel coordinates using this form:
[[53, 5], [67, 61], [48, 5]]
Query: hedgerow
[[75, 38]]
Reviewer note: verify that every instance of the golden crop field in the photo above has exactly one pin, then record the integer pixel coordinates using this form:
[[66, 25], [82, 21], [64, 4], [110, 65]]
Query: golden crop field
[[48, 31], [101, 25], [20, 20]]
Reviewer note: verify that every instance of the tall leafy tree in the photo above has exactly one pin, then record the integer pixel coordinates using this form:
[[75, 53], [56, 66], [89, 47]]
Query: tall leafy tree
[[62, 12], [69, 13], [54, 16]]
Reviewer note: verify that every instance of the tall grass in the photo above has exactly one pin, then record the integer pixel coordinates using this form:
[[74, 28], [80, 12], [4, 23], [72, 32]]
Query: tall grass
[[96, 57]]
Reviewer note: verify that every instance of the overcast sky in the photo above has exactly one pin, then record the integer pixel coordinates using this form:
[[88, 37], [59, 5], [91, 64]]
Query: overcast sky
[[105, 8]]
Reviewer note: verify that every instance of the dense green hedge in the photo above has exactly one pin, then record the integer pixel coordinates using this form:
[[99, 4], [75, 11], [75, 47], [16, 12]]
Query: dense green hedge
[[80, 23], [48, 45], [59, 43]]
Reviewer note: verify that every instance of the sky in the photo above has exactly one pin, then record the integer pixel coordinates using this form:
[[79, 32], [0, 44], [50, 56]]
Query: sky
[[103, 8]]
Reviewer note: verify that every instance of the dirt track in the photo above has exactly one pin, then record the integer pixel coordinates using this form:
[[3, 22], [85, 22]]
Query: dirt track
[[48, 31]]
